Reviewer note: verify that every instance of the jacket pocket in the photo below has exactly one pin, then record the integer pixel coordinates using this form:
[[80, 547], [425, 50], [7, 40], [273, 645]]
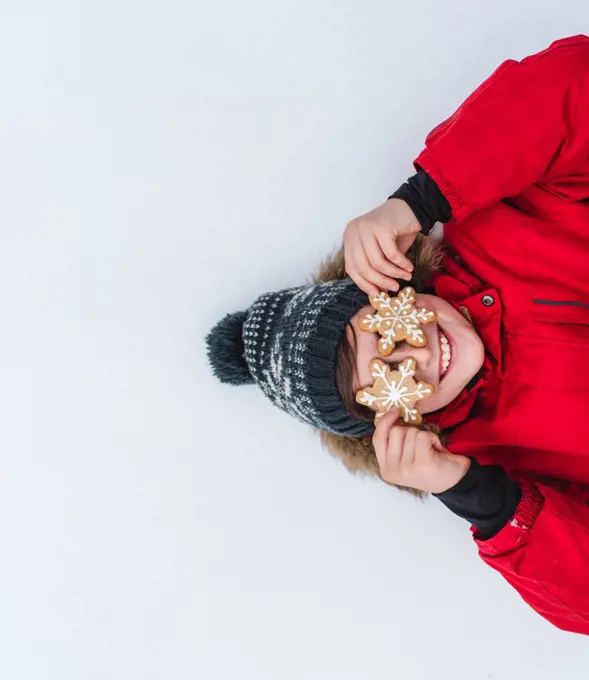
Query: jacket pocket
[[554, 354], [561, 311]]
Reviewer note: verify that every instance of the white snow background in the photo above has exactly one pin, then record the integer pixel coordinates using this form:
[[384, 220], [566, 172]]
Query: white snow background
[[161, 164]]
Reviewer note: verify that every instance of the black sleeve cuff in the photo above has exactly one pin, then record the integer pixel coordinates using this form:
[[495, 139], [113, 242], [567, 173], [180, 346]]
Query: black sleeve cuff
[[485, 496], [428, 203]]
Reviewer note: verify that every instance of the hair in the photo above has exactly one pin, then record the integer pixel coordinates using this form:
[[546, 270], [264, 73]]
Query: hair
[[357, 453], [344, 378]]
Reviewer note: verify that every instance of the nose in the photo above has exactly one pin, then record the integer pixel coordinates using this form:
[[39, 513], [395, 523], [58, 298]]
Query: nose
[[423, 355], [426, 358]]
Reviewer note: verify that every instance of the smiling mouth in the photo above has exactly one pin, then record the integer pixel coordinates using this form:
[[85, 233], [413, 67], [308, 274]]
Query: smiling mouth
[[446, 352]]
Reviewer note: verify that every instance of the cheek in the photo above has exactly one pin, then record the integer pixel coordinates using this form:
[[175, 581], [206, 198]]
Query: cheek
[[367, 350], [437, 401], [429, 302], [364, 376]]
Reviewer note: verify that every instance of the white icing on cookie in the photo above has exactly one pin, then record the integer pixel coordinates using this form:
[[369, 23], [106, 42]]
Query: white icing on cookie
[[397, 319], [395, 389]]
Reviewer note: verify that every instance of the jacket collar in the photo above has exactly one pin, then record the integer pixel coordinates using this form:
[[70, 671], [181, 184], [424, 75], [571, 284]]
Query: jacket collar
[[482, 306]]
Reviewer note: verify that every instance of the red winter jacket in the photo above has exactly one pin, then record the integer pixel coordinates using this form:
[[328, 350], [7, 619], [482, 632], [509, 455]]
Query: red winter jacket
[[513, 162]]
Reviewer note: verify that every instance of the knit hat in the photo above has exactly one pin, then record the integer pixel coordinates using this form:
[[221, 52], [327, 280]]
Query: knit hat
[[287, 343]]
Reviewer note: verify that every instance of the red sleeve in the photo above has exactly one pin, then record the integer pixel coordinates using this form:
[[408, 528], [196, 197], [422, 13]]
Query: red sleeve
[[543, 552], [526, 124]]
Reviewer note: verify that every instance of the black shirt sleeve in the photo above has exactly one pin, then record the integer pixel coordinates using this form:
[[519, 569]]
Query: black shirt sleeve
[[428, 203], [485, 496]]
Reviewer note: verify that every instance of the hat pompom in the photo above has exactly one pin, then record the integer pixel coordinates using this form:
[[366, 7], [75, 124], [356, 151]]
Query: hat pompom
[[226, 352]]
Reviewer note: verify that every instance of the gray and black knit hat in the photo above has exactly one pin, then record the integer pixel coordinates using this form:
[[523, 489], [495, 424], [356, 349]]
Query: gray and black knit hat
[[287, 343]]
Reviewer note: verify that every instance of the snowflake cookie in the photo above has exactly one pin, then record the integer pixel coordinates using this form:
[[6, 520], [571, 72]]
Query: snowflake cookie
[[395, 389], [396, 319]]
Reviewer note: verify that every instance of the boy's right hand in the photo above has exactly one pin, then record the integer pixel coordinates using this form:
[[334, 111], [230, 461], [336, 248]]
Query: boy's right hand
[[375, 245], [410, 457]]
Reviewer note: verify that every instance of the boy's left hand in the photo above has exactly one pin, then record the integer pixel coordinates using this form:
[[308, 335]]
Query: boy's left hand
[[375, 246], [414, 458]]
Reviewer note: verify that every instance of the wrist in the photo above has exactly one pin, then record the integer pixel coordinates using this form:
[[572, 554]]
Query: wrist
[[457, 470], [402, 213], [426, 201], [486, 496]]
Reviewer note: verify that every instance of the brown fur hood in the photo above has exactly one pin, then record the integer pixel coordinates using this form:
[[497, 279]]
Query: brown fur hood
[[357, 454]]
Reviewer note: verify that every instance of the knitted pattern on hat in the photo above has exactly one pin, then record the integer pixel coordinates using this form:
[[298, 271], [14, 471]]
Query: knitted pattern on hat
[[290, 341]]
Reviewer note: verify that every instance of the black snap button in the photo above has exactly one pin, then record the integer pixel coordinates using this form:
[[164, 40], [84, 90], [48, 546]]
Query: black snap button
[[488, 300]]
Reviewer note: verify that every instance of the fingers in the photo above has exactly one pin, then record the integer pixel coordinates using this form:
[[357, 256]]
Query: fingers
[[436, 444], [410, 446], [382, 262], [380, 438], [354, 254], [392, 253], [374, 261], [395, 445], [363, 270], [414, 458], [424, 446], [399, 440], [361, 282], [372, 265]]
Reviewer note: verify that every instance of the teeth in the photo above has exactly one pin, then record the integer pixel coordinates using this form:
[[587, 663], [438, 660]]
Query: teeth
[[446, 352]]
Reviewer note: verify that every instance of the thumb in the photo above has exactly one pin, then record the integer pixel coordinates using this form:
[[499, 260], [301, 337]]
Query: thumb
[[383, 426], [388, 420]]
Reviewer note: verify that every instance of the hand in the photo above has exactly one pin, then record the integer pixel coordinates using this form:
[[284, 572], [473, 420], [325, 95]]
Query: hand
[[411, 457], [375, 245]]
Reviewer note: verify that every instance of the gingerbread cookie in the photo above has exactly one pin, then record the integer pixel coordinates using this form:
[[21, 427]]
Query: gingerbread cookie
[[397, 319], [395, 389]]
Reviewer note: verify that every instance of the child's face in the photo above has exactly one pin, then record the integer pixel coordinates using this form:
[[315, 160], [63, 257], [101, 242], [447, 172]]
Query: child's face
[[449, 379]]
